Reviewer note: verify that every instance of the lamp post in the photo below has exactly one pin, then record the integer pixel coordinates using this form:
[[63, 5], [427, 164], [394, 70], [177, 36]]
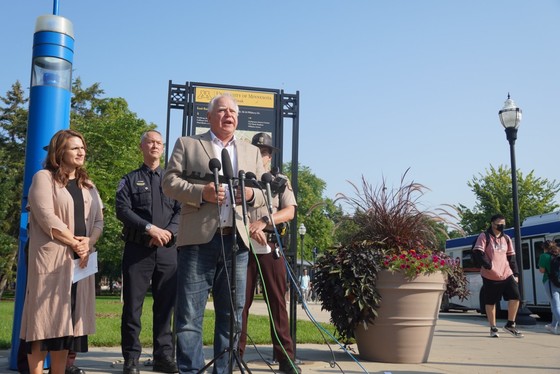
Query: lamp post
[[510, 117]]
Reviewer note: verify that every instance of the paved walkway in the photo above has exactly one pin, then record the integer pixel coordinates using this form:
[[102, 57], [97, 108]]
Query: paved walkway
[[461, 344]]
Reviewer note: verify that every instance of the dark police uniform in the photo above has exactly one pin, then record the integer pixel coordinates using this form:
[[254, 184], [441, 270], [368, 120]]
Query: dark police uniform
[[143, 265]]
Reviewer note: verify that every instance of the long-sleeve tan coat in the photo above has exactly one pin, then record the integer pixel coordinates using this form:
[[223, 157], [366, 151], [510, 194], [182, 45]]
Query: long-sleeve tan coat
[[47, 308]]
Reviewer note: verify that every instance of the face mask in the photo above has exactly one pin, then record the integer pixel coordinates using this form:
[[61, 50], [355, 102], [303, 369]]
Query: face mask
[[500, 228]]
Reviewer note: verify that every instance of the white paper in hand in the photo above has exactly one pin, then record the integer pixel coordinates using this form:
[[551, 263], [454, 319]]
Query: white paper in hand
[[90, 269]]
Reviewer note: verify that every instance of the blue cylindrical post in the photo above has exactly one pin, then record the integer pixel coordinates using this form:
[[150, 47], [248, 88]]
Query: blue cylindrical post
[[49, 112]]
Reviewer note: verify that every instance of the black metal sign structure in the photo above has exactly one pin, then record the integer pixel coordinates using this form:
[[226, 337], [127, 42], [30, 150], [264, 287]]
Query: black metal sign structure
[[260, 110]]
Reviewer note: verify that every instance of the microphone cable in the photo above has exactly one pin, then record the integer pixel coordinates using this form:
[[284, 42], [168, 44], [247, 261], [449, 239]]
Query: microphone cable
[[333, 363]]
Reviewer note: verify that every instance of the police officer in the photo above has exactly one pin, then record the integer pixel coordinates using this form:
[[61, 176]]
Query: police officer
[[273, 268], [150, 221]]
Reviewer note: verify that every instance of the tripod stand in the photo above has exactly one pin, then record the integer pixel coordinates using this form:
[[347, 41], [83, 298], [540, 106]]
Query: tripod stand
[[234, 329]]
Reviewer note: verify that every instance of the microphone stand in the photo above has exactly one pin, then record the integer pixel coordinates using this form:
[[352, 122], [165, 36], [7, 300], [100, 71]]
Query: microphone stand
[[233, 348]]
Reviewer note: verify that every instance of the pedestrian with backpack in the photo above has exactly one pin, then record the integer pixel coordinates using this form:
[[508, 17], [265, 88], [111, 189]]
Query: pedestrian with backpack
[[494, 251], [549, 263]]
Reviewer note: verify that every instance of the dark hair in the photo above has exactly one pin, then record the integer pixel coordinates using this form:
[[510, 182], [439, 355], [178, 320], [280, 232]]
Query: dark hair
[[551, 247], [55, 155], [496, 217]]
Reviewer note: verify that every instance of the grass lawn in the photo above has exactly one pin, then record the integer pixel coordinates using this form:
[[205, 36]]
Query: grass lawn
[[108, 311]]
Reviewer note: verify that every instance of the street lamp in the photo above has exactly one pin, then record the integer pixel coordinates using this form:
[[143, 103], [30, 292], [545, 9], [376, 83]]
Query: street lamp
[[510, 117]]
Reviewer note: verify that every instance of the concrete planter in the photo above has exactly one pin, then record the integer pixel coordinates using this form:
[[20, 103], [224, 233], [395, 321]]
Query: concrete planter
[[404, 327]]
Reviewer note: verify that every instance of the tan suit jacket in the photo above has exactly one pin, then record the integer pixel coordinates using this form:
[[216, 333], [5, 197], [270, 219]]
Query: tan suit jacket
[[47, 307], [191, 155]]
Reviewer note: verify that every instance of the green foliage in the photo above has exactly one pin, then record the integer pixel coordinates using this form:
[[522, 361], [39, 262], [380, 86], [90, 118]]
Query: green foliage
[[108, 325], [314, 211], [13, 129], [493, 191], [112, 134], [344, 280], [387, 231]]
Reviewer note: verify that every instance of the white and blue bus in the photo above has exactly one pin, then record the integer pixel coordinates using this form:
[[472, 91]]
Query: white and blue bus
[[534, 231]]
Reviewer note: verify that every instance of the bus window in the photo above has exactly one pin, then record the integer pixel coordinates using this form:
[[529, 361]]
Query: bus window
[[525, 254], [539, 250], [468, 262]]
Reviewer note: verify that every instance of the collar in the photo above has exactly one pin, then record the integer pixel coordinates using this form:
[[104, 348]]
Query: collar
[[147, 170], [215, 140]]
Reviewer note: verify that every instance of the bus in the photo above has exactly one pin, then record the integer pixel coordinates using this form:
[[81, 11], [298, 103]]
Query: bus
[[534, 231]]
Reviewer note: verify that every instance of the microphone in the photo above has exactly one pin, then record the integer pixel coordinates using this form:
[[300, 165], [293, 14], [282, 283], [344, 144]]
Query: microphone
[[226, 162], [266, 179], [241, 176], [252, 179], [275, 171], [228, 174], [215, 167]]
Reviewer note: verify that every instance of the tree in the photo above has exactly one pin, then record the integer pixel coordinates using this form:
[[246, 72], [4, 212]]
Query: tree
[[314, 211], [494, 194], [13, 129], [112, 134]]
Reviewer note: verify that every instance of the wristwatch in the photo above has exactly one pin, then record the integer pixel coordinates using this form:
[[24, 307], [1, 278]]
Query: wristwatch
[[266, 219], [148, 226]]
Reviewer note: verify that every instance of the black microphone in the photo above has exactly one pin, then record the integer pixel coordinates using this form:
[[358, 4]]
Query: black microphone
[[241, 176], [228, 174], [215, 167], [275, 171], [252, 179], [226, 162], [266, 179]]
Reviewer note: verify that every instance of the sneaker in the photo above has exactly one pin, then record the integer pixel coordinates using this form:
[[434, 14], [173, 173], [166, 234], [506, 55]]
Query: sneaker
[[494, 332], [131, 366], [74, 370], [286, 367], [513, 331], [165, 365], [552, 330]]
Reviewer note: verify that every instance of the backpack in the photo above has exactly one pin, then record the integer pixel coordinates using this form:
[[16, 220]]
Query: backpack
[[477, 263], [554, 275]]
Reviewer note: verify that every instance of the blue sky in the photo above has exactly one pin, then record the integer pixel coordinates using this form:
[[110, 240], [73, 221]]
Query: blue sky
[[384, 85]]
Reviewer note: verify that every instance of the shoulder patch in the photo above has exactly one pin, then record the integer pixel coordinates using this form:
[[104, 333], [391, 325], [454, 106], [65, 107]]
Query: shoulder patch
[[122, 182], [289, 185]]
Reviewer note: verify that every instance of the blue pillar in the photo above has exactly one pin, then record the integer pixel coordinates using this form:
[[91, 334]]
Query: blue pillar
[[49, 112]]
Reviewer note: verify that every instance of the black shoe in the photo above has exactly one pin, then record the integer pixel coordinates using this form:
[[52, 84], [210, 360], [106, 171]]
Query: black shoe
[[131, 366], [74, 370], [286, 367], [165, 365]]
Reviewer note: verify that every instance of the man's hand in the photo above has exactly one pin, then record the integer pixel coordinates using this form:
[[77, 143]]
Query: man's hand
[[259, 236], [160, 237], [248, 195], [209, 194], [256, 226]]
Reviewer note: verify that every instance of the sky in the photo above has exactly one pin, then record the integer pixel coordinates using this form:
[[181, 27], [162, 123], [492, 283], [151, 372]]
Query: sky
[[384, 86]]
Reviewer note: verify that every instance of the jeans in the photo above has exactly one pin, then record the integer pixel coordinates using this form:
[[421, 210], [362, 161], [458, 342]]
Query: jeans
[[202, 268], [553, 294]]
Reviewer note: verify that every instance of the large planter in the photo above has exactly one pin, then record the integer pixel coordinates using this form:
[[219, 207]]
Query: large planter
[[403, 330]]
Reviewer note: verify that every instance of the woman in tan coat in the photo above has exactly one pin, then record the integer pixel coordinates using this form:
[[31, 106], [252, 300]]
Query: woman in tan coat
[[65, 222]]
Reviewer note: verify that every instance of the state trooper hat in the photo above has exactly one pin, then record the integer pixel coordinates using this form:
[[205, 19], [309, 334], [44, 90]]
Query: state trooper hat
[[262, 139]]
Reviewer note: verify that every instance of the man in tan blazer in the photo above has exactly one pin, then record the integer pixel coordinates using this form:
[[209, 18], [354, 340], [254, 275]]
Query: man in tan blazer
[[205, 240]]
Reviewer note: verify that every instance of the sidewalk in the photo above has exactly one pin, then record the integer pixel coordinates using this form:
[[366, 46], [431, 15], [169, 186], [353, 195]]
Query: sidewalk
[[461, 344]]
